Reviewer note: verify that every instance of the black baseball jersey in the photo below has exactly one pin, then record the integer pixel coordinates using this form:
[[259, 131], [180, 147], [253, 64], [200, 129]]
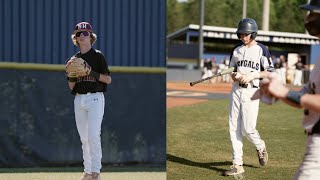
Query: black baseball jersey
[[98, 63]]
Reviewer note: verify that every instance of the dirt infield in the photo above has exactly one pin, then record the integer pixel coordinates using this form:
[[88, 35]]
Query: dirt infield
[[204, 87], [225, 88], [211, 88], [176, 101]]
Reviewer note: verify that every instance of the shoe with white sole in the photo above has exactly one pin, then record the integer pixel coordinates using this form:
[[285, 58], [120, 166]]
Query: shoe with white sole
[[263, 156], [234, 170]]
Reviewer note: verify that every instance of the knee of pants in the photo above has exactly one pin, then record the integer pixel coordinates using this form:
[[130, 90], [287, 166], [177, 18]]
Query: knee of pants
[[94, 137], [84, 140], [244, 132]]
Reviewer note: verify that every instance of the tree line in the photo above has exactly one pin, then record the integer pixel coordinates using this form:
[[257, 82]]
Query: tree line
[[285, 15]]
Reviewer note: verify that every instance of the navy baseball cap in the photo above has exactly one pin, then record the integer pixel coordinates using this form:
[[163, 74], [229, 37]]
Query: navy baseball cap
[[314, 5], [82, 26]]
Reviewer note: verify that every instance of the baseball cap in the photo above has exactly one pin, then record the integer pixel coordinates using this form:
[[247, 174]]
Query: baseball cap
[[314, 5], [82, 26]]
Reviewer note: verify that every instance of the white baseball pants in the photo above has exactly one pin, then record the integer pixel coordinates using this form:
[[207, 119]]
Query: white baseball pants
[[89, 110], [297, 77], [242, 121], [310, 166]]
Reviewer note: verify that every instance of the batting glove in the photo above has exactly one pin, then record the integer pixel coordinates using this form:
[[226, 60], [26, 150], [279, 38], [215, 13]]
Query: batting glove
[[245, 79]]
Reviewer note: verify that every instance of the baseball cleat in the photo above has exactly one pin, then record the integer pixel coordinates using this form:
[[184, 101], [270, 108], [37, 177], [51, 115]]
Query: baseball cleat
[[263, 156], [234, 170], [86, 176], [95, 176]]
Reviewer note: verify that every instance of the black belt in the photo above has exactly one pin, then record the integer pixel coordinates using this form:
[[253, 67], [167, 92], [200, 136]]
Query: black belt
[[246, 86], [87, 93]]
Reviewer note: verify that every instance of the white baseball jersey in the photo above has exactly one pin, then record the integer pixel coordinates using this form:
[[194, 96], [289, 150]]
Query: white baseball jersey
[[243, 110], [310, 166], [254, 59], [312, 87]]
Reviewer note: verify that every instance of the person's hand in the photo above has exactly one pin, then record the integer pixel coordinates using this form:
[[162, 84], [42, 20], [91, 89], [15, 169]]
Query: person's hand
[[236, 76], [272, 87], [245, 79], [70, 61]]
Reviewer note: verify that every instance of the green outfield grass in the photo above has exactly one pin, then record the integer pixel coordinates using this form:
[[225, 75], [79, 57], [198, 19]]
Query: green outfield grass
[[199, 147], [73, 173]]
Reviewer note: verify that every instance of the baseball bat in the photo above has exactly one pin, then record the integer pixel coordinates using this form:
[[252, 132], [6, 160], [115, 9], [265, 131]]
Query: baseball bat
[[227, 71]]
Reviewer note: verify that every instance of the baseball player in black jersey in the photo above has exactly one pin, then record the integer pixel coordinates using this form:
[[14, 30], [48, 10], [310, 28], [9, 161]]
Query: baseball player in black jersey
[[308, 98], [89, 99]]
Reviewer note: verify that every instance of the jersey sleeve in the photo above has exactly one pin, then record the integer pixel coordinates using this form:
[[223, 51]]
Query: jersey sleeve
[[103, 65], [266, 60], [232, 62]]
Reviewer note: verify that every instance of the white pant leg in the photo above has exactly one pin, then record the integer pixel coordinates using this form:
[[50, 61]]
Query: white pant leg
[[249, 112], [310, 166], [297, 77], [283, 75], [235, 126], [81, 117], [95, 115], [295, 80]]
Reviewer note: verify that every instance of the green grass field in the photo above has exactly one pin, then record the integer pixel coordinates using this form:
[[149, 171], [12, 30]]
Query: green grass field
[[73, 173], [199, 147]]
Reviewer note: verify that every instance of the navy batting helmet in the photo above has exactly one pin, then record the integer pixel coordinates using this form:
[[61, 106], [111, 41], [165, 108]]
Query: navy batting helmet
[[247, 26], [314, 5], [312, 21]]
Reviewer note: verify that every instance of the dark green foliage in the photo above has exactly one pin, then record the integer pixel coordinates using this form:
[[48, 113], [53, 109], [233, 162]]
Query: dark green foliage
[[284, 16]]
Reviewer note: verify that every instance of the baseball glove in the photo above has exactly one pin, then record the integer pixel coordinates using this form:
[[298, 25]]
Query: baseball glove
[[77, 67]]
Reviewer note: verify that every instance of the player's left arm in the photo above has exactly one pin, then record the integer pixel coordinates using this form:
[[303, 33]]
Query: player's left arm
[[305, 98], [105, 78], [104, 75], [311, 102], [298, 99], [266, 64]]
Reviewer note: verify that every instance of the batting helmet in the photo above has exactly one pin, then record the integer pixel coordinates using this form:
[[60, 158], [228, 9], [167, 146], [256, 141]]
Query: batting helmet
[[313, 5], [248, 26], [312, 21]]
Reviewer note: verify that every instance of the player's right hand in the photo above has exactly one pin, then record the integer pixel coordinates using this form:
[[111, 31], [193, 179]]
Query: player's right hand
[[236, 76], [272, 86]]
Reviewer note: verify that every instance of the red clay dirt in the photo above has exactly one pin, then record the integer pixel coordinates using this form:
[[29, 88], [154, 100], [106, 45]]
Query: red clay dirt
[[204, 87], [176, 101]]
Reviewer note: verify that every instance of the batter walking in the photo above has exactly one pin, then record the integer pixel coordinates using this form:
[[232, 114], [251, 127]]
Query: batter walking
[[89, 99], [308, 98], [252, 61]]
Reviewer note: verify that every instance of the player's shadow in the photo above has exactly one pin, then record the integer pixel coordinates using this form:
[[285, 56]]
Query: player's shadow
[[210, 165]]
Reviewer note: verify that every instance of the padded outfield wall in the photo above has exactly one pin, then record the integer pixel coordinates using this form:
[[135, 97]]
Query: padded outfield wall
[[37, 116], [130, 32]]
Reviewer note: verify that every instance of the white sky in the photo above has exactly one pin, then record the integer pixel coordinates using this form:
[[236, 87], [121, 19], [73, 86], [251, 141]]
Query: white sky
[[182, 0]]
